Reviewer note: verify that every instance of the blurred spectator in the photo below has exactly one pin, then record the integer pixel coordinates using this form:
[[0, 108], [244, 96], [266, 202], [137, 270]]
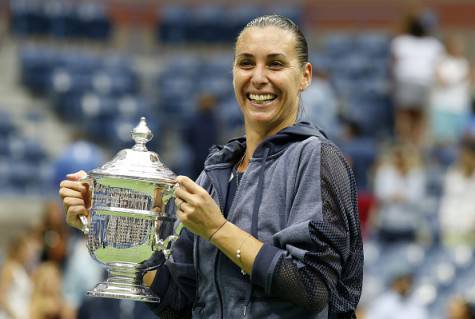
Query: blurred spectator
[[457, 208], [80, 154], [450, 98], [399, 185], [414, 55], [320, 104], [15, 281], [459, 308], [201, 132], [397, 302], [54, 234], [47, 301], [82, 273]]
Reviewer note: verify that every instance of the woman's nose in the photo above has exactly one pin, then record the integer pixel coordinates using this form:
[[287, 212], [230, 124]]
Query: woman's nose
[[259, 76]]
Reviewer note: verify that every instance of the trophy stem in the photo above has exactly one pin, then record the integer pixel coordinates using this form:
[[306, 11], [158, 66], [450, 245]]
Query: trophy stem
[[124, 281], [124, 273]]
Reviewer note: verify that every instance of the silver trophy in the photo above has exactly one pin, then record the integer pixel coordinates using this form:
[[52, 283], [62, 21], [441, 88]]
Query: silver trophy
[[132, 218]]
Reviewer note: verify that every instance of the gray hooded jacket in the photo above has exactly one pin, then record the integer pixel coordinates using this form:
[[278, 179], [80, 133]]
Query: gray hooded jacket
[[298, 197]]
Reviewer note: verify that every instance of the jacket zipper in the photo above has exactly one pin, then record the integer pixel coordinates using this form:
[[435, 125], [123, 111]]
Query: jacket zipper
[[216, 260], [216, 284]]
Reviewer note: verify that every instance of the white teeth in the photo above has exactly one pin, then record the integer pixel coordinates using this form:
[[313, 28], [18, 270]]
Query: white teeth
[[261, 97]]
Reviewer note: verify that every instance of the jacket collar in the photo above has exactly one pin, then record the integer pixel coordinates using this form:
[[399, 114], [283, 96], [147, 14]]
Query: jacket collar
[[232, 151]]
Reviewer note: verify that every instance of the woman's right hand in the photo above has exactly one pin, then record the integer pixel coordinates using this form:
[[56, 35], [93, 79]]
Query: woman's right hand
[[76, 198]]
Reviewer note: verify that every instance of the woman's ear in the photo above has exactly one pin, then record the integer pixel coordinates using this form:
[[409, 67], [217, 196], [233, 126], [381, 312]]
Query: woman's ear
[[307, 76]]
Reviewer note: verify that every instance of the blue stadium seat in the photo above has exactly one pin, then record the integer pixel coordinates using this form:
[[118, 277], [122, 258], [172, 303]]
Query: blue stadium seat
[[173, 24], [207, 23], [27, 18], [34, 152], [36, 65], [338, 45], [21, 175], [321, 62], [238, 16], [93, 21], [230, 115], [7, 126], [63, 20], [362, 153], [294, 12], [373, 45]]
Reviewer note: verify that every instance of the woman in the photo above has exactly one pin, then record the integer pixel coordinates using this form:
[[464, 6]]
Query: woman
[[399, 185], [414, 54], [457, 221], [47, 298], [15, 281], [271, 225]]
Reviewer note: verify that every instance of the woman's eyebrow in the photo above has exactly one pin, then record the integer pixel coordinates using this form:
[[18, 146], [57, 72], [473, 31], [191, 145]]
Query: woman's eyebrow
[[269, 56], [276, 55], [244, 55]]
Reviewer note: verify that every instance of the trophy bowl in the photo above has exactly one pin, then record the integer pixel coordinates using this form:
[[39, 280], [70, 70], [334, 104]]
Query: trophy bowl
[[132, 218]]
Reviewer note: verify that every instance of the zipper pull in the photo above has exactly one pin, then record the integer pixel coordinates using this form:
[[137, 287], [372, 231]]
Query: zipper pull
[[245, 311]]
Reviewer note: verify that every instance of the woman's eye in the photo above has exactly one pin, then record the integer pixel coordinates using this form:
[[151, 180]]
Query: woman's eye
[[245, 63], [276, 65]]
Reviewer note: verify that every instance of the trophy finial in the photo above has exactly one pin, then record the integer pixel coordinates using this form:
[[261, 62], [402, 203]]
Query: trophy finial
[[141, 135]]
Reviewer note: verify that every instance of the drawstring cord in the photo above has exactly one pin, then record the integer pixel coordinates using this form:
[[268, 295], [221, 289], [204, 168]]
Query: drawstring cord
[[255, 215]]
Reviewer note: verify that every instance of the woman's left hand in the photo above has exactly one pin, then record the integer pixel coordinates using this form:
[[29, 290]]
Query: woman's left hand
[[196, 209]]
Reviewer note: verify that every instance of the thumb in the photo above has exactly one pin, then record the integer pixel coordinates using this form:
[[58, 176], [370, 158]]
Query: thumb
[[76, 176]]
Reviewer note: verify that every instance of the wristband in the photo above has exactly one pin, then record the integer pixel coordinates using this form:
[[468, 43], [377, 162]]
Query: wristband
[[210, 237]]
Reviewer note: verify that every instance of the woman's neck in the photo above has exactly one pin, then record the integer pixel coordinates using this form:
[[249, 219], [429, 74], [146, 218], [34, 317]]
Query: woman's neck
[[253, 139]]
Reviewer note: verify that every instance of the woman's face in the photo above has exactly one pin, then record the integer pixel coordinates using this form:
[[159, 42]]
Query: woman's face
[[268, 77]]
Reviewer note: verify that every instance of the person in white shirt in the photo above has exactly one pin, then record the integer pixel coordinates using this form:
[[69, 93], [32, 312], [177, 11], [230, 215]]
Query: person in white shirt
[[15, 281], [399, 185], [457, 207], [414, 56], [397, 302], [450, 96]]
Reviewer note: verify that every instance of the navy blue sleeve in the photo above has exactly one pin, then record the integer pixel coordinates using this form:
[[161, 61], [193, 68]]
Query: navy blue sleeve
[[264, 266], [175, 282]]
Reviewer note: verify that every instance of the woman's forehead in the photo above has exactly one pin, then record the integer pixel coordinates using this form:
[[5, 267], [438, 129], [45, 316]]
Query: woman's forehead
[[270, 39]]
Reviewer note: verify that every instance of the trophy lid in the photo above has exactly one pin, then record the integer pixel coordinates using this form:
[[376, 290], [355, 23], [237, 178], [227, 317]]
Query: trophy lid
[[137, 162]]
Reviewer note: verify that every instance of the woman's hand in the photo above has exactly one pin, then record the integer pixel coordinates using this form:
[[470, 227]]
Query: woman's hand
[[196, 209], [76, 198]]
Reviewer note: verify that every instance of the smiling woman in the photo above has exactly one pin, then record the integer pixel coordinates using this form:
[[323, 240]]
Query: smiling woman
[[271, 227], [269, 72]]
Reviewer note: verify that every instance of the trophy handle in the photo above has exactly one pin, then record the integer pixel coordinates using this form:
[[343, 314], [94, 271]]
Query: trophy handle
[[164, 245], [86, 223]]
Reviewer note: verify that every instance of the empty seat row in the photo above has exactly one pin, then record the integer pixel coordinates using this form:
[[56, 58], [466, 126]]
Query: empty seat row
[[60, 19], [211, 23]]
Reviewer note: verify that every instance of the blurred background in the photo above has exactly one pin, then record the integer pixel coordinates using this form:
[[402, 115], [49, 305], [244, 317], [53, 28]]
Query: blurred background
[[393, 87]]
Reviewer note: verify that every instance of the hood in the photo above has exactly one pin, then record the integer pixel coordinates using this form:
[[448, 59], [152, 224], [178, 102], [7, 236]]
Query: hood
[[234, 149]]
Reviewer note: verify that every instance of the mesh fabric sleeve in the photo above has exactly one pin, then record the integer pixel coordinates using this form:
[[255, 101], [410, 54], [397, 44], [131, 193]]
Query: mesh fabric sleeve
[[331, 270]]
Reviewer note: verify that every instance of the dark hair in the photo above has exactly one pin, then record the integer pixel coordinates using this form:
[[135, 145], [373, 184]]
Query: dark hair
[[284, 23], [416, 28]]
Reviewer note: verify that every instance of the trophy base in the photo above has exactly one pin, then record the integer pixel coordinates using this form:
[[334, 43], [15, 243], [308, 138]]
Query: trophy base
[[123, 291]]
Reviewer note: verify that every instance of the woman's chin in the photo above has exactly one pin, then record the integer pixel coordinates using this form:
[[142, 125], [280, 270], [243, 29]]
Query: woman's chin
[[260, 118]]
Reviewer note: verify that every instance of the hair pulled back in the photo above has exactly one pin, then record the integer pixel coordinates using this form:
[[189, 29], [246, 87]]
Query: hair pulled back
[[283, 23]]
